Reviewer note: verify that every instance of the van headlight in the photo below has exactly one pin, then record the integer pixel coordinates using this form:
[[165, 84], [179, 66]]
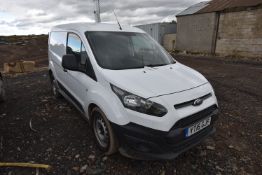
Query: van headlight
[[139, 104]]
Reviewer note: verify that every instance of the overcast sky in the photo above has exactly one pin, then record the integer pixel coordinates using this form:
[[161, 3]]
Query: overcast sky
[[37, 16]]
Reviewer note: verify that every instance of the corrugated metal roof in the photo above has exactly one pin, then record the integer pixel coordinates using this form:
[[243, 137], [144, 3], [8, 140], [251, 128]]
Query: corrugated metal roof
[[194, 8], [220, 5]]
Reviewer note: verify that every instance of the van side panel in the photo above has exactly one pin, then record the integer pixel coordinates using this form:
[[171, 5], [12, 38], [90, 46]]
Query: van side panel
[[57, 48]]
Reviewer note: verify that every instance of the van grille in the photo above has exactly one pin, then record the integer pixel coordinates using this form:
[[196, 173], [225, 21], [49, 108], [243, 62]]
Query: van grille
[[195, 117], [191, 102]]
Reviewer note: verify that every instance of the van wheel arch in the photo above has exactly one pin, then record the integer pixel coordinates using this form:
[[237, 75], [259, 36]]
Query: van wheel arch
[[54, 86], [51, 75], [113, 144]]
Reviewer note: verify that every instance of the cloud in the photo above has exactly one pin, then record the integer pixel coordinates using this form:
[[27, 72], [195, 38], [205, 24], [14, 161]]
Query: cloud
[[38, 16], [36, 12]]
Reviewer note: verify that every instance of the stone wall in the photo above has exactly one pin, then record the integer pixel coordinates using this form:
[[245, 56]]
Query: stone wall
[[240, 33]]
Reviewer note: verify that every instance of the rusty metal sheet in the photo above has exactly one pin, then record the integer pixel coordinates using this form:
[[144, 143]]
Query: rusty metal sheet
[[193, 9], [220, 5]]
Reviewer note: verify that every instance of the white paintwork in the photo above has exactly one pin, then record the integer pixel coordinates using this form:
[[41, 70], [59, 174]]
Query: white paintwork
[[156, 81], [166, 85], [83, 27]]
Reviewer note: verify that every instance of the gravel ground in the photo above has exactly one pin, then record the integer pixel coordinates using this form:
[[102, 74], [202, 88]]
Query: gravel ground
[[63, 139]]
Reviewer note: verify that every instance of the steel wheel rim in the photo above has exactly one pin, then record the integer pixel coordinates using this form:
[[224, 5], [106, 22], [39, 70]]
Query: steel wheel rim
[[101, 132]]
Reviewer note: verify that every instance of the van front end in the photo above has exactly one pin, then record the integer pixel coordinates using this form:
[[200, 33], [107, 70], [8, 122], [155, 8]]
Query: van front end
[[140, 142], [190, 118]]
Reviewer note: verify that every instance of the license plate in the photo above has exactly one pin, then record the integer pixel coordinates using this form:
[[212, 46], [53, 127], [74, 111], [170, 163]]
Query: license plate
[[197, 127]]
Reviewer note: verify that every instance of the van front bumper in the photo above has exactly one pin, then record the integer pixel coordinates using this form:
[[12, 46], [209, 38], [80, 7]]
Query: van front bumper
[[140, 142]]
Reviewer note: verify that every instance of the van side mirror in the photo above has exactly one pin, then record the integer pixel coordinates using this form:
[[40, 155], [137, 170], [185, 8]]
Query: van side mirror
[[69, 62]]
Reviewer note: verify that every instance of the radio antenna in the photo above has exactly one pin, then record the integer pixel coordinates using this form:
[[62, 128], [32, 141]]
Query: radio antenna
[[117, 21]]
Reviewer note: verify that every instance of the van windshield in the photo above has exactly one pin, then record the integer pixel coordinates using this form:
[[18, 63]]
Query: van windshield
[[127, 50]]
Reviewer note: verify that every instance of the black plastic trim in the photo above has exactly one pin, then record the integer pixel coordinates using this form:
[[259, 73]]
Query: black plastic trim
[[168, 155], [212, 110]]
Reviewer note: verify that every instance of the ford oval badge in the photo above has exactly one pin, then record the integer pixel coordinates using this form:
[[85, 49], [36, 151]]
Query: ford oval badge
[[197, 102]]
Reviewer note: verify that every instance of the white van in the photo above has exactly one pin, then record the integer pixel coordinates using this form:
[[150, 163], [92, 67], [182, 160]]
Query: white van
[[137, 98]]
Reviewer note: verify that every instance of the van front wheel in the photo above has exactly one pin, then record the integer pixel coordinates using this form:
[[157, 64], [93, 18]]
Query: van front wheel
[[103, 132], [55, 91]]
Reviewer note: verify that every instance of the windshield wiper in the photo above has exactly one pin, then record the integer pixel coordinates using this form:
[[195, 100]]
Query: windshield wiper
[[155, 65]]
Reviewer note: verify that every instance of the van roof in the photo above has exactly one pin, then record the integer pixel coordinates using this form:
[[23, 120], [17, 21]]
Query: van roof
[[83, 27]]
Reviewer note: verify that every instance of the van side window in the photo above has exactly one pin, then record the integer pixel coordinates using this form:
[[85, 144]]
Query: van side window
[[76, 47]]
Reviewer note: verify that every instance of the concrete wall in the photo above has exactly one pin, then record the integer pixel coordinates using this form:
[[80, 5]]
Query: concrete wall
[[196, 33], [169, 42], [240, 33]]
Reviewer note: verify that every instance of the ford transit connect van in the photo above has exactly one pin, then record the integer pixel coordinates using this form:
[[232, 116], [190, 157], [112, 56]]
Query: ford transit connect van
[[138, 99]]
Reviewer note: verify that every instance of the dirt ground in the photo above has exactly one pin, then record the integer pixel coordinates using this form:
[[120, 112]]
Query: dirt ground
[[27, 48], [62, 139]]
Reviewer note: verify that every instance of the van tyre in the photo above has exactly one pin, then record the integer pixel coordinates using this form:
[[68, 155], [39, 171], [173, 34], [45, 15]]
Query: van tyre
[[55, 90], [104, 135]]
